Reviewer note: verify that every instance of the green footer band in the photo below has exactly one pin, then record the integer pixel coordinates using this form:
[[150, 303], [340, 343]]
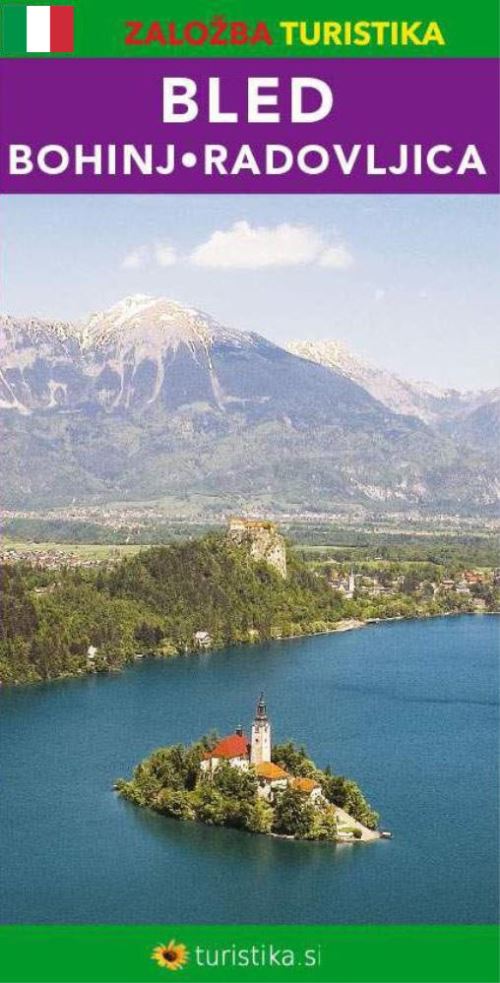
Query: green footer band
[[333, 954]]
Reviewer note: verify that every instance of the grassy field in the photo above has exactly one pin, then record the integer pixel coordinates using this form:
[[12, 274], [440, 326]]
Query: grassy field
[[86, 551], [377, 552], [87, 543]]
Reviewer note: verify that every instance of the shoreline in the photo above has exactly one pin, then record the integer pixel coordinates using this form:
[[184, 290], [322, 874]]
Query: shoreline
[[341, 627], [352, 624], [343, 839]]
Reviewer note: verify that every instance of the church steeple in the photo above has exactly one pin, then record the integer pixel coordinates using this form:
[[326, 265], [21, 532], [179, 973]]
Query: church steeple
[[260, 749], [261, 713]]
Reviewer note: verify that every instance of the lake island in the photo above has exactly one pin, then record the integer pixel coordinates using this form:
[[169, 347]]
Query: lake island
[[248, 784]]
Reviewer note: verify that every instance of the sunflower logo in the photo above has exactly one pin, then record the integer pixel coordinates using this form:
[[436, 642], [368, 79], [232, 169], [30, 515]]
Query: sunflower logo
[[172, 956]]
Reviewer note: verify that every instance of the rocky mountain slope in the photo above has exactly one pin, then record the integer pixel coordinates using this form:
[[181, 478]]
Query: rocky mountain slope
[[152, 399], [421, 399]]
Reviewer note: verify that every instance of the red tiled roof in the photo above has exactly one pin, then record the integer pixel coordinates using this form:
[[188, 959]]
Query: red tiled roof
[[270, 771], [234, 746], [305, 784]]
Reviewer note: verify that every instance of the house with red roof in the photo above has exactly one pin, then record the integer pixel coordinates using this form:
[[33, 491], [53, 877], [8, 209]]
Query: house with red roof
[[271, 779], [235, 749], [309, 787]]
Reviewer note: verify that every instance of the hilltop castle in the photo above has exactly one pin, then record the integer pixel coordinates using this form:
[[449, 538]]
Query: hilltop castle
[[262, 539]]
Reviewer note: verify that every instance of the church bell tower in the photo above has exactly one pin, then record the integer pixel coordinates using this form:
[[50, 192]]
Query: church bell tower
[[260, 750]]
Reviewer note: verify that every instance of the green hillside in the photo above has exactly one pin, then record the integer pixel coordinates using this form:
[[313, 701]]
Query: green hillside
[[153, 603]]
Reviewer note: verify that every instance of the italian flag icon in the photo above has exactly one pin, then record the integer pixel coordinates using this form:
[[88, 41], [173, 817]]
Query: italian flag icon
[[38, 30]]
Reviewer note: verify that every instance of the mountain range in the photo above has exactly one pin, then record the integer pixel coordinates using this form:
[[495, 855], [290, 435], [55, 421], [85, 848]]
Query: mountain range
[[421, 399], [153, 400]]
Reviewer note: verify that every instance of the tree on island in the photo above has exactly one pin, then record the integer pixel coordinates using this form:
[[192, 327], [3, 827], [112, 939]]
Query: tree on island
[[340, 791], [293, 814]]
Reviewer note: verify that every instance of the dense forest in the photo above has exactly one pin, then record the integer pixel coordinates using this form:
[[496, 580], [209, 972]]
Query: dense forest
[[57, 622], [153, 603], [170, 782]]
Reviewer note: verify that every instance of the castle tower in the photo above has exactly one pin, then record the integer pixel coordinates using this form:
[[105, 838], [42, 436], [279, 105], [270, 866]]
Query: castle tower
[[262, 540], [260, 749]]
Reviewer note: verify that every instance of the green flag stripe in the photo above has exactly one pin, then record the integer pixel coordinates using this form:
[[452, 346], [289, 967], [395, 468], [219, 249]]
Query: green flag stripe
[[14, 30]]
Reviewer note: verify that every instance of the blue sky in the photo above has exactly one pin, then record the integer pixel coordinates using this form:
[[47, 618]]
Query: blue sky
[[410, 282]]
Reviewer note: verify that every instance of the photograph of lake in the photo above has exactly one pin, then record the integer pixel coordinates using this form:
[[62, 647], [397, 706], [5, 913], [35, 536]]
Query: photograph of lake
[[408, 709], [249, 588]]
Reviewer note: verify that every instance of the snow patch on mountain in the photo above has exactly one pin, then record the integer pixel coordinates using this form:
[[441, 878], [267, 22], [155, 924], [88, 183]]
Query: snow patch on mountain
[[421, 399], [152, 325], [20, 332]]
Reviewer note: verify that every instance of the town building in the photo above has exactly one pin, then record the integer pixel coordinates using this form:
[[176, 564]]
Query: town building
[[472, 577], [255, 754], [272, 778], [92, 652], [309, 787], [344, 585]]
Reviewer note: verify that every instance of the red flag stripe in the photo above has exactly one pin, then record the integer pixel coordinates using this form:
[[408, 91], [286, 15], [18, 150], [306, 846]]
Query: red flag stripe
[[61, 29]]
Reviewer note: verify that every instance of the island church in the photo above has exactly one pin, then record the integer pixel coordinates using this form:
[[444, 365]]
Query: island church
[[241, 752]]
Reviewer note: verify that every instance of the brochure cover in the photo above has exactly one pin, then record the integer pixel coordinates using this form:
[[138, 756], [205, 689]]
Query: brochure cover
[[249, 405]]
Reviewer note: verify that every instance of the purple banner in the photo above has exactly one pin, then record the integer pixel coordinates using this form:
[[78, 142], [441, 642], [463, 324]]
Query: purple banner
[[383, 126]]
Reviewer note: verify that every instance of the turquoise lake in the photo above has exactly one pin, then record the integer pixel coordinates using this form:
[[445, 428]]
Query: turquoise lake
[[408, 709]]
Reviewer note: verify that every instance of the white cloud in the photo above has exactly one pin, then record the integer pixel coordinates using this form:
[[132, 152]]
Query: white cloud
[[244, 247], [336, 257], [247, 247], [136, 259], [165, 254], [159, 254], [379, 295]]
